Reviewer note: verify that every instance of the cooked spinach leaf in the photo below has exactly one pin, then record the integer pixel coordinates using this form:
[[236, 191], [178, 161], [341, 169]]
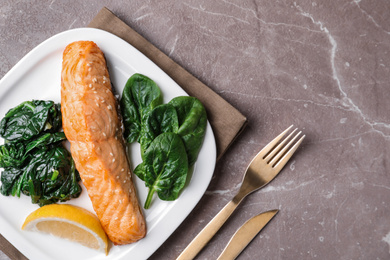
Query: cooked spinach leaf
[[34, 160], [164, 168], [45, 140], [12, 155], [15, 154], [29, 119], [9, 178], [192, 124], [161, 119], [49, 177], [139, 97]]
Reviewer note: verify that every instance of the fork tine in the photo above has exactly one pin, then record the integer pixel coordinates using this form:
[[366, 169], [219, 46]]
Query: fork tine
[[275, 151], [282, 148], [280, 164], [272, 144]]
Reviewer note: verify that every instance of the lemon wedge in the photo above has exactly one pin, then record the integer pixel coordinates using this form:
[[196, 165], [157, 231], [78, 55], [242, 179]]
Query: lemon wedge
[[69, 222]]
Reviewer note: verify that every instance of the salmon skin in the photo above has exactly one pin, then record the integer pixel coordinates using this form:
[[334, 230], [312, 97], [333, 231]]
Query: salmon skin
[[93, 126]]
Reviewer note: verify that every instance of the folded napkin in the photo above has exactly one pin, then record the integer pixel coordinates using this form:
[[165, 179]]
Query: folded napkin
[[224, 119], [10, 250]]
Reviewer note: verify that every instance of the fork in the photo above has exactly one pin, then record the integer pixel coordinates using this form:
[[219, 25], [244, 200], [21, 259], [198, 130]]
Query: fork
[[263, 168]]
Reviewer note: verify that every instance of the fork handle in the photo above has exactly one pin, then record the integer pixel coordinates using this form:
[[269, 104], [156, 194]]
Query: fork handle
[[208, 231]]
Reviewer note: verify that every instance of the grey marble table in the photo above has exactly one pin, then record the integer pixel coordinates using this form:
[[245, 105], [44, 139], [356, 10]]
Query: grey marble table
[[323, 66], [3, 256]]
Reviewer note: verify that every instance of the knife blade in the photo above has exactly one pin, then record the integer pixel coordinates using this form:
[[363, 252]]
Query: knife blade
[[245, 234]]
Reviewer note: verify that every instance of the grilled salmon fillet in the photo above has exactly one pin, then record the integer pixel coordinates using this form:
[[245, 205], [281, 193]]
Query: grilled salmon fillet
[[93, 126]]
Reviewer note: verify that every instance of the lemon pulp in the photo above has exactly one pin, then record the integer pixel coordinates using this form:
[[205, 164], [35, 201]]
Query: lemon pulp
[[69, 222]]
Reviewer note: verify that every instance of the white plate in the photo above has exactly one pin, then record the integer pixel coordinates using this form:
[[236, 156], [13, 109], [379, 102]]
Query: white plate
[[37, 76]]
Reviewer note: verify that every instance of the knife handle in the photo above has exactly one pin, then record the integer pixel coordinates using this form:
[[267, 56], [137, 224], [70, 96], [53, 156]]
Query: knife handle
[[208, 231]]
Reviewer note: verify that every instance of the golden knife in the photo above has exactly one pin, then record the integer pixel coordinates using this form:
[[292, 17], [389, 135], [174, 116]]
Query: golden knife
[[245, 234]]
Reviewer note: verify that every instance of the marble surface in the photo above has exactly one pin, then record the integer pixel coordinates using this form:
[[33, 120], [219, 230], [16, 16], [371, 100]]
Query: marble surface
[[320, 65]]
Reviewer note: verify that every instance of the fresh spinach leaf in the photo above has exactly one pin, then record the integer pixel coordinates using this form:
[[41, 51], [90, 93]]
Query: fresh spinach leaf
[[161, 119], [164, 168], [192, 124], [170, 135], [140, 171], [139, 97], [29, 119]]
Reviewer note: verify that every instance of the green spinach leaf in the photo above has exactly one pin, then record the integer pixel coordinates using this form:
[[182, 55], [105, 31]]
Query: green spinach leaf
[[9, 178], [15, 154], [170, 135], [49, 177], [45, 140], [192, 124], [139, 97], [161, 119], [29, 119], [12, 155], [34, 159], [164, 168]]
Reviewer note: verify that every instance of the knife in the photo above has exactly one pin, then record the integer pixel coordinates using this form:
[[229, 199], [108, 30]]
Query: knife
[[245, 234]]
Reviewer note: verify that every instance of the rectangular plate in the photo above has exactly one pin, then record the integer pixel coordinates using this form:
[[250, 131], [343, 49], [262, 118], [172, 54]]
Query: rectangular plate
[[38, 76]]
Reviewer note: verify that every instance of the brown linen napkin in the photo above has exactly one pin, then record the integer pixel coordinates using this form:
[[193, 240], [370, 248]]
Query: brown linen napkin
[[8, 249], [225, 120]]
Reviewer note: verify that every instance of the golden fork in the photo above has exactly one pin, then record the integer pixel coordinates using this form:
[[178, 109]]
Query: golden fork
[[263, 169]]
